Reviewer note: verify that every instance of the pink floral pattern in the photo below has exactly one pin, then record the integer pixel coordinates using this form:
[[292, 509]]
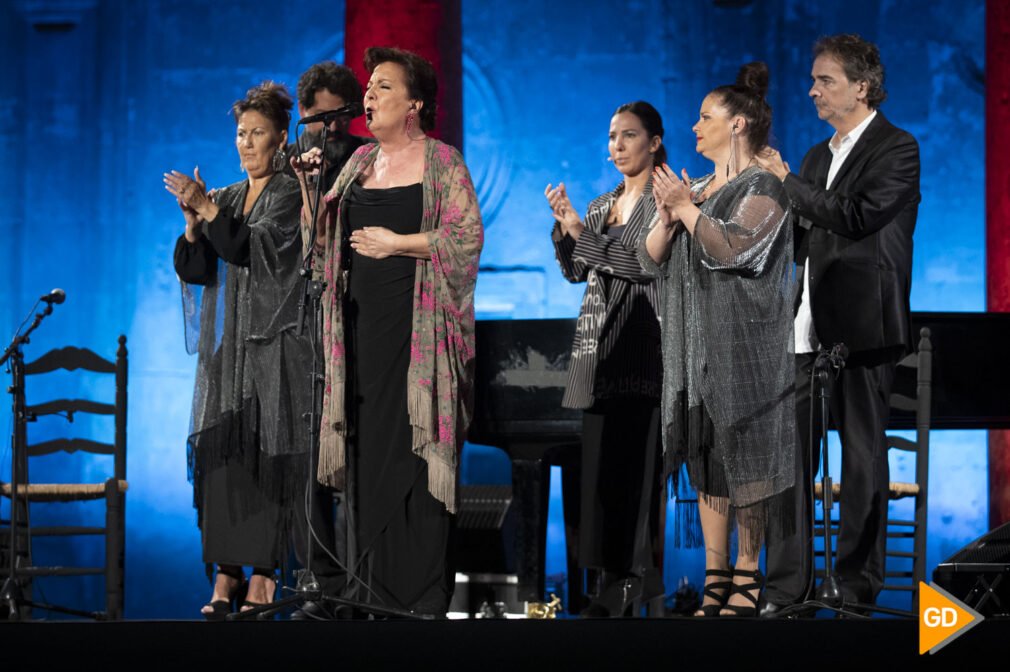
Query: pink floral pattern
[[440, 377]]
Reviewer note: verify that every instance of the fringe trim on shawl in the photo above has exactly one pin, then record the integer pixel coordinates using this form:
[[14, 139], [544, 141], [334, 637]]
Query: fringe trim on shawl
[[773, 517], [442, 472], [333, 442], [421, 417], [691, 465], [441, 476]]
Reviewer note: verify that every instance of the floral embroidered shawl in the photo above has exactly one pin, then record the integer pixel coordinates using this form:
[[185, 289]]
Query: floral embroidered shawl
[[440, 377]]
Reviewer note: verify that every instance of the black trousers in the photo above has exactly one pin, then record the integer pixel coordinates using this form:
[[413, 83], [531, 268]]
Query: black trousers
[[622, 487], [859, 406]]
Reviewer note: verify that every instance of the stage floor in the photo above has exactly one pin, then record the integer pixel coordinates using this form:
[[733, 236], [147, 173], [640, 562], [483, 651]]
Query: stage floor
[[673, 643]]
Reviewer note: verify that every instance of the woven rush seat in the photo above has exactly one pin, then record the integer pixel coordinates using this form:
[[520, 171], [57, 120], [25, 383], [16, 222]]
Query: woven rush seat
[[897, 489], [89, 453], [62, 492]]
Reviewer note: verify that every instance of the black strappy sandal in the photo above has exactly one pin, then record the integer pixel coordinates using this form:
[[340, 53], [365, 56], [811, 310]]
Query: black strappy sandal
[[710, 610], [219, 609], [246, 604], [757, 582]]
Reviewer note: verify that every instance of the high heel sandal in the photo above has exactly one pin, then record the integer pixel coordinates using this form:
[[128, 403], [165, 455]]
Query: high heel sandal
[[711, 610], [219, 609], [249, 604], [757, 582]]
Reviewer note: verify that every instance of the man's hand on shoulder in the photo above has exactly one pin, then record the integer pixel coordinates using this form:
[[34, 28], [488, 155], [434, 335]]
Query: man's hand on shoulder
[[769, 159]]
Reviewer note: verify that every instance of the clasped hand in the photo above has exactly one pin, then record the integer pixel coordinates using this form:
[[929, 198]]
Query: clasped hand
[[670, 193], [192, 197]]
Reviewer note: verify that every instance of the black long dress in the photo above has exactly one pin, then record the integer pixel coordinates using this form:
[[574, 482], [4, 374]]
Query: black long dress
[[403, 531], [247, 440], [239, 523]]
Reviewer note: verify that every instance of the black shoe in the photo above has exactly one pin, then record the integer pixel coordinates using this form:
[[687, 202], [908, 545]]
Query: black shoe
[[247, 604], [773, 610], [617, 600], [313, 611], [710, 610], [853, 593], [218, 610], [745, 589]]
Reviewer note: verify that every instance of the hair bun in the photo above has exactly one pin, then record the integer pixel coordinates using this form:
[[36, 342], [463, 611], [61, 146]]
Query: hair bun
[[271, 92], [754, 77]]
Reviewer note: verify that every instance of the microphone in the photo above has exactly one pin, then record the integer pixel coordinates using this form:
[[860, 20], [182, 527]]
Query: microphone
[[56, 296], [351, 110], [832, 359]]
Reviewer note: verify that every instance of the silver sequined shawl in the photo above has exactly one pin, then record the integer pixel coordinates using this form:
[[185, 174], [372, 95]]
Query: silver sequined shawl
[[727, 294], [252, 368]]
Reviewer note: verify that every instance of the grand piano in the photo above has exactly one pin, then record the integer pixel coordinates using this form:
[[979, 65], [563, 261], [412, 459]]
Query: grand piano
[[521, 374]]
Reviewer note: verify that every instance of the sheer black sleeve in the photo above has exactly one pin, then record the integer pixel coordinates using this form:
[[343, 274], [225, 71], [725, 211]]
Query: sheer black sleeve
[[230, 237], [195, 263]]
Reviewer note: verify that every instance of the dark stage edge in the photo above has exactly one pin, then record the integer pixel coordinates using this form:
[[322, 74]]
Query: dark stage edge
[[716, 644]]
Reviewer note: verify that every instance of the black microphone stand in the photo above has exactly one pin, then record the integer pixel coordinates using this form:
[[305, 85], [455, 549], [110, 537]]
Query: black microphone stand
[[829, 594], [307, 588], [11, 595]]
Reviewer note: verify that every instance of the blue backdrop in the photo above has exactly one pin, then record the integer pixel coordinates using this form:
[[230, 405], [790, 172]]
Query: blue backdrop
[[99, 97]]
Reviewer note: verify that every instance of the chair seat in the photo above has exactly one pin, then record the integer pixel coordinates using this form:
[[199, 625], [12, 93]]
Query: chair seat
[[897, 490], [61, 492]]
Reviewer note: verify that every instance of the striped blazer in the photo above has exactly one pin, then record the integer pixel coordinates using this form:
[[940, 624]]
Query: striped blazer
[[617, 346]]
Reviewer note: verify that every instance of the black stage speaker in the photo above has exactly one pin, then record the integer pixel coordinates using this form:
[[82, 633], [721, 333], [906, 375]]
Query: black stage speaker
[[979, 574]]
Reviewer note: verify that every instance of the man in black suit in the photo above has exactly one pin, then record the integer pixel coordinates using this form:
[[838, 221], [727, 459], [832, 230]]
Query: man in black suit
[[856, 199]]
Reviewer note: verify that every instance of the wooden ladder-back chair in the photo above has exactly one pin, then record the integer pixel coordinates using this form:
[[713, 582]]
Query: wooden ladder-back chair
[[112, 490]]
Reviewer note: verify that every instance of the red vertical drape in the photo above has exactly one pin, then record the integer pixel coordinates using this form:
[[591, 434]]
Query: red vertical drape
[[431, 28], [997, 226]]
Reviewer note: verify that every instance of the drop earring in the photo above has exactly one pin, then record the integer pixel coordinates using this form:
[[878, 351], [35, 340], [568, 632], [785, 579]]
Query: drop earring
[[731, 164]]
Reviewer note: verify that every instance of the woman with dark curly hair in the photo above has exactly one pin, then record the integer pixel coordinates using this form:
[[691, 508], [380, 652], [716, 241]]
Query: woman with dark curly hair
[[238, 261], [398, 247]]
